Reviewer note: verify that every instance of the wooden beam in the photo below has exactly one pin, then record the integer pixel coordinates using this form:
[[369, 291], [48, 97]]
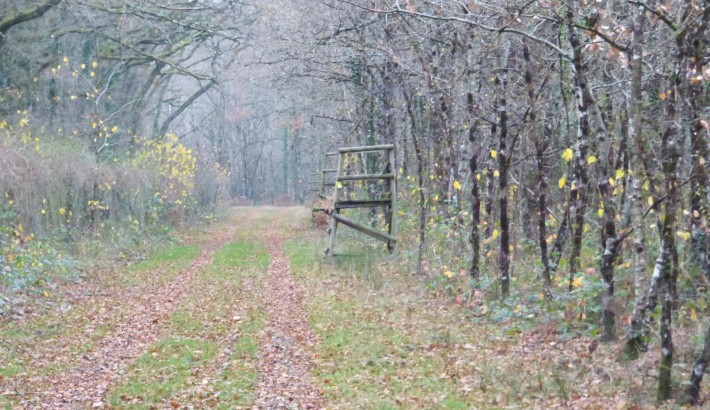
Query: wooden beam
[[365, 177], [392, 227], [362, 203], [333, 221], [382, 236], [367, 148]]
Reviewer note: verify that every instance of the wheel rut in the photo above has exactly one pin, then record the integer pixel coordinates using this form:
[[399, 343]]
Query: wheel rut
[[287, 342]]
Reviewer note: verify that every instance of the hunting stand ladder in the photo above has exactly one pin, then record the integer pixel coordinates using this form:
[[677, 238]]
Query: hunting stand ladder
[[323, 177], [342, 199]]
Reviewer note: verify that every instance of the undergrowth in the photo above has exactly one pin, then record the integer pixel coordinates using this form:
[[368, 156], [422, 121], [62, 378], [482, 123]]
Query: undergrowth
[[65, 208]]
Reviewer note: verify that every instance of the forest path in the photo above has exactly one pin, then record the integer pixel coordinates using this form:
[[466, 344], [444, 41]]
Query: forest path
[[141, 318], [256, 318], [85, 368]]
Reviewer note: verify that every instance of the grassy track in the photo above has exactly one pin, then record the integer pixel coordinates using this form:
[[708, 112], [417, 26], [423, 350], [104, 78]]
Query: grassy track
[[49, 342], [223, 313]]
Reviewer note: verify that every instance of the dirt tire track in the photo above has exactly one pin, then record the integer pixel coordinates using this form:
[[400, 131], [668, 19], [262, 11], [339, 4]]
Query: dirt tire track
[[86, 384], [287, 342], [210, 372]]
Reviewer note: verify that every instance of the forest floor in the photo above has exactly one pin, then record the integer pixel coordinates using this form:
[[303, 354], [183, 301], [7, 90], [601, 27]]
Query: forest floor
[[248, 314]]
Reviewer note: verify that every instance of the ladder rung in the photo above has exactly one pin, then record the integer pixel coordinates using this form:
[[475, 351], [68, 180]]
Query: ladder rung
[[367, 148], [362, 203], [364, 177]]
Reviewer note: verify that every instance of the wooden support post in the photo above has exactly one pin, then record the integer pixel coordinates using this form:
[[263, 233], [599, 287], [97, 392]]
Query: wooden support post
[[334, 221], [324, 165], [392, 229]]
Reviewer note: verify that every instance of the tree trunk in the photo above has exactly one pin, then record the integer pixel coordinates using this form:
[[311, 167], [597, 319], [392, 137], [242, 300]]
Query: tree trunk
[[420, 180], [699, 367], [503, 162], [669, 268], [700, 236], [580, 180], [540, 147], [475, 238]]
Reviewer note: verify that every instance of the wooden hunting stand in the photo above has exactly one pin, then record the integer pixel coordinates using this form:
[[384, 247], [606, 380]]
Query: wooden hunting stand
[[387, 174]]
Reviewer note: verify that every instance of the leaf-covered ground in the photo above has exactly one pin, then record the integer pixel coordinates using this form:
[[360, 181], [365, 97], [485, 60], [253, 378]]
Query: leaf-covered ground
[[250, 315]]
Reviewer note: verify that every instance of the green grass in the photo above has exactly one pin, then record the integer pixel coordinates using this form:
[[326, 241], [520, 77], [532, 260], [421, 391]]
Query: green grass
[[167, 262], [206, 318], [164, 370], [25, 336], [238, 380], [240, 254], [366, 361]]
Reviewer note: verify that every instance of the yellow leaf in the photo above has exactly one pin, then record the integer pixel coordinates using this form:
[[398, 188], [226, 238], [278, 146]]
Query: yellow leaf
[[600, 212], [496, 173], [650, 201], [338, 184], [620, 173], [494, 153], [457, 185], [693, 315], [612, 182], [478, 177], [701, 161], [684, 235], [646, 185], [62, 211], [662, 96], [577, 282], [591, 159], [448, 274], [696, 214], [10, 257], [43, 211], [567, 154], [561, 182], [495, 233]]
